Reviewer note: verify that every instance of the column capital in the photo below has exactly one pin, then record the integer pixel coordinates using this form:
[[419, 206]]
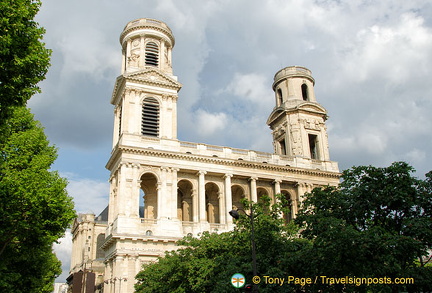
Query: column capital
[[300, 184], [253, 179], [228, 175], [201, 172], [277, 181]]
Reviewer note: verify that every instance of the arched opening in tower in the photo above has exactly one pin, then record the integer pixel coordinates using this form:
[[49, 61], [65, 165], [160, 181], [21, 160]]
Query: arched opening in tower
[[148, 196], [184, 201]]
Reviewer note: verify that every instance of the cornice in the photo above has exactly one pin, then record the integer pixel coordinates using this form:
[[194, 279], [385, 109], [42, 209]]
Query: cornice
[[221, 161], [147, 25], [112, 238]]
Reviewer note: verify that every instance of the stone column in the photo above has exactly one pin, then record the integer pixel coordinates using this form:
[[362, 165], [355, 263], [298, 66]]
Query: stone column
[[163, 203], [121, 190], [137, 264], [141, 63], [228, 198], [128, 53], [135, 191], [159, 200], [118, 272], [195, 212], [201, 196], [123, 285], [162, 63], [222, 212], [254, 196], [174, 188], [301, 189], [277, 190]]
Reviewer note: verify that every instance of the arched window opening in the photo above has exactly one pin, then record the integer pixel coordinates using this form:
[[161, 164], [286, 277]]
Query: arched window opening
[[282, 145], [237, 193], [287, 215], [305, 93], [152, 54], [261, 193], [280, 97], [212, 202], [184, 201], [150, 117], [148, 210], [313, 146]]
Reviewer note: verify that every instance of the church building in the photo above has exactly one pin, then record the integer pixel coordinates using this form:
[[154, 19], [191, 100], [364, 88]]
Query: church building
[[162, 188]]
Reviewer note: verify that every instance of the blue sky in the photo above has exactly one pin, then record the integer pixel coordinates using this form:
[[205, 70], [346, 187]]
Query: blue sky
[[371, 61]]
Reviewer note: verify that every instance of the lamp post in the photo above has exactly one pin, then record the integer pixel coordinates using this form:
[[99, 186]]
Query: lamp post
[[235, 214]]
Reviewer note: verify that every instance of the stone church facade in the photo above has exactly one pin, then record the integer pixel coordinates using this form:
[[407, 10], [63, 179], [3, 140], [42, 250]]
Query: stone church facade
[[162, 188]]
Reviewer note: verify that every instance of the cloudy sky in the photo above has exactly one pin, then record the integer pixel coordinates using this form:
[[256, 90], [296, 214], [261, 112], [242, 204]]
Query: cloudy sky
[[371, 61]]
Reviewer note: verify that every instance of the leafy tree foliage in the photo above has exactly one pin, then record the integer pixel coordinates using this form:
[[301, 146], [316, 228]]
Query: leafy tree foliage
[[35, 209], [24, 60], [377, 223], [207, 264]]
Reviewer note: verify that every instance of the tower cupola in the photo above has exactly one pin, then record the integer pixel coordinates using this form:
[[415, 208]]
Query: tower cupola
[[298, 121], [146, 43], [293, 85]]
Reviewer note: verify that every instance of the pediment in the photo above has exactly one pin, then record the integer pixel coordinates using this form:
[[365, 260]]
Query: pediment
[[150, 77], [153, 77], [308, 107], [312, 107], [275, 114]]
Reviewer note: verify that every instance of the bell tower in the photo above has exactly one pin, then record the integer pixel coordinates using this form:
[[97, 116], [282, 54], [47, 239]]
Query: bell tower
[[298, 121], [145, 94], [145, 117]]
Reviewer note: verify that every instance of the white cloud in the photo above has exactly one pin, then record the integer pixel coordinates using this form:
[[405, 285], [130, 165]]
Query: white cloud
[[372, 141], [88, 52], [388, 51], [416, 155], [209, 123], [90, 196], [63, 250], [252, 87]]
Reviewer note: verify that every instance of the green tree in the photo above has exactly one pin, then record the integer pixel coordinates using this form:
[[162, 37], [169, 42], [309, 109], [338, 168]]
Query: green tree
[[24, 60], [377, 223], [35, 209], [206, 264]]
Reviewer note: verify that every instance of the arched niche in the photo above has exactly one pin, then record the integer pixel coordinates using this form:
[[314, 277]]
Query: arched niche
[[148, 196], [212, 202], [238, 194], [288, 215], [184, 200]]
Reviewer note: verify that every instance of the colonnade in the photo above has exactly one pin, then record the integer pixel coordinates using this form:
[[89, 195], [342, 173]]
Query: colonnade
[[166, 190]]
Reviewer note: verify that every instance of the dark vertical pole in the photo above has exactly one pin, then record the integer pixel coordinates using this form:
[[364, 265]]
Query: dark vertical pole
[[254, 262]]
